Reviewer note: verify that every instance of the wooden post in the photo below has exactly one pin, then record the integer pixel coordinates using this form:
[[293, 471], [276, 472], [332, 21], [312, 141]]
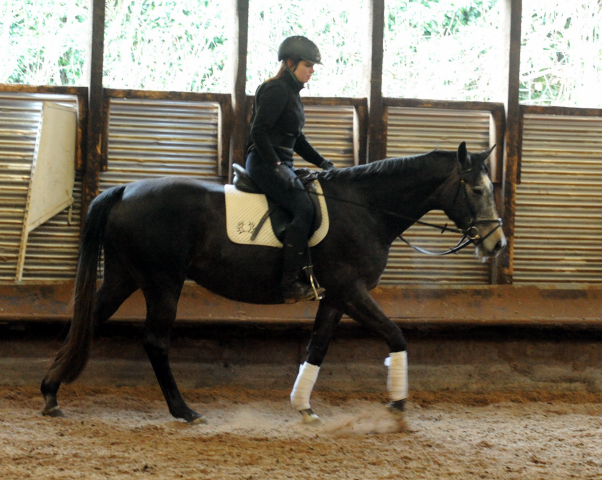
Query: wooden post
[[511, 21], [93, 157], [376, 125], [240, 124]]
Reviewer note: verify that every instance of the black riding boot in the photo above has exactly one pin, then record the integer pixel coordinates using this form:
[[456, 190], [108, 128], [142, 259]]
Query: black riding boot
[[295, 286]]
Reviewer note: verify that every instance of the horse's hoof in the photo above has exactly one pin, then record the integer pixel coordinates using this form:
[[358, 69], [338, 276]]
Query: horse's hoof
[[309, 416], [397, 406], [200, 420], [54, 412]]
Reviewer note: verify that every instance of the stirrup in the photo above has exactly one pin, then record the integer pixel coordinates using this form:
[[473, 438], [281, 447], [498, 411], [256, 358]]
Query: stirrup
[[300, 291], [313, 281], [318, 290]]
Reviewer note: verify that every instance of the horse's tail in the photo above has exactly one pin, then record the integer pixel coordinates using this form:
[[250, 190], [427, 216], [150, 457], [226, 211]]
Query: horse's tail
[[73, 355]]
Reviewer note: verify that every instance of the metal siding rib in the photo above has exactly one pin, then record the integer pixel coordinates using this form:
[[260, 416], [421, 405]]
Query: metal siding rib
[[559, 200], [52, 247], [411, 131], [155, 138], [330, 131]]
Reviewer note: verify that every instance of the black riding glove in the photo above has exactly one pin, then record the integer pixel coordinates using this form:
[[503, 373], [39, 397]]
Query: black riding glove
[[327, 165]]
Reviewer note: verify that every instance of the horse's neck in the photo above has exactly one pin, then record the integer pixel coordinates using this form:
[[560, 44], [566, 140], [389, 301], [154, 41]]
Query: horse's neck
[[400, 196], [408, 189]]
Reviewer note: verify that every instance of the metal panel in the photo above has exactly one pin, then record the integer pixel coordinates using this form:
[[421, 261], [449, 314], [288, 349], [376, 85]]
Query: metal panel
[[153, 138], [52, 247], [558, 225], [412, 131], [330, 131]]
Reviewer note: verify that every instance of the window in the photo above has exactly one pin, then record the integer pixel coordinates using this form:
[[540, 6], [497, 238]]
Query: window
[[338, 28], [44, 42], [441, 49], [178, 45], [561, 54]]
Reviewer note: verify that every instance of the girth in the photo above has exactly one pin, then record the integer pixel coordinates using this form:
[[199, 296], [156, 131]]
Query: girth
[[279, 217]]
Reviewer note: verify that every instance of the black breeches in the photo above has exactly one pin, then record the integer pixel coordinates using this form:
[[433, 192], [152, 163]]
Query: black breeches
[[280, 184]]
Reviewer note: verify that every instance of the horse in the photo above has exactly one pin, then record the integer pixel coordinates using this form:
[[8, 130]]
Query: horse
[[157, 233]]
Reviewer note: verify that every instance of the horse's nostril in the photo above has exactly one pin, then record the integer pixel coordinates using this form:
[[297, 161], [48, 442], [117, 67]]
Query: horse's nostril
[[498, 246]]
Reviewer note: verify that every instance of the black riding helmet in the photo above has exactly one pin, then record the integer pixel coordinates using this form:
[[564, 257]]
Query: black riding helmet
[[299, 48]]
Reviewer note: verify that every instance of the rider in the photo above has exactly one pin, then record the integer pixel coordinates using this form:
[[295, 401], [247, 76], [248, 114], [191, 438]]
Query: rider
[[276, 125]]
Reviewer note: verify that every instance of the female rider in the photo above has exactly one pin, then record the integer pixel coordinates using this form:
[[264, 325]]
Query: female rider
[[276, 125]]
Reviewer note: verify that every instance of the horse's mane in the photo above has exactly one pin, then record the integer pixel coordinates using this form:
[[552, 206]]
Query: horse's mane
[[405, 166]]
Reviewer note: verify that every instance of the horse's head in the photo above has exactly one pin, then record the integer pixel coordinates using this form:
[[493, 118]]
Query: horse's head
[[468, 200]]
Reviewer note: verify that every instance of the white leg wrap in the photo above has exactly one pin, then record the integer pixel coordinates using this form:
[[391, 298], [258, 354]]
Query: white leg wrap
[[397, 380], [308, 374]]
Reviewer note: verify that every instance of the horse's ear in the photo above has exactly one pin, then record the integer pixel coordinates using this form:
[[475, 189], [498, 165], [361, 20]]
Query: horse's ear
[[484, 155], [462, 154]]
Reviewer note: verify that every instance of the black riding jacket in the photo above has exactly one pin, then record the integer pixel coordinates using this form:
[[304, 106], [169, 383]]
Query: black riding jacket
[[277, 121]]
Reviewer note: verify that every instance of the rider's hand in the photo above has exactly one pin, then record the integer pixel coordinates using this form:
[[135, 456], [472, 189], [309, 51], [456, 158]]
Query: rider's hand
[[327, 165]]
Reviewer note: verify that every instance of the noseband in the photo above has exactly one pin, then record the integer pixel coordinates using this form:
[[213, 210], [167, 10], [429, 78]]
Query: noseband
[[470, 234]]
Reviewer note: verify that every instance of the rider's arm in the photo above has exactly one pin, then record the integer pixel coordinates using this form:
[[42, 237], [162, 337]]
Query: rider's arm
[[309, 153]]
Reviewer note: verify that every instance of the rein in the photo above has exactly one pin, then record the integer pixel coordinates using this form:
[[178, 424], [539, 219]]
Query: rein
[[469, 235]]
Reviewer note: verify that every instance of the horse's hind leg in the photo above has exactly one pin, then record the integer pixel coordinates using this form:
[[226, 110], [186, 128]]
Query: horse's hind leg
[[161, 305], [116, 287], [327, 319]]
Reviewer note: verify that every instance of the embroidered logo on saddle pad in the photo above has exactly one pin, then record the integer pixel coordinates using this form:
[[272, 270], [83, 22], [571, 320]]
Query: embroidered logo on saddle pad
[[245, 210]]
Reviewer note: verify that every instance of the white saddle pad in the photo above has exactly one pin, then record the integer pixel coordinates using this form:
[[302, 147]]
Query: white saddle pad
[[244, 212]]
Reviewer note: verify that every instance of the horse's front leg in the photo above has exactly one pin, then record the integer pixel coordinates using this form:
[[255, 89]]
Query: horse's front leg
[[327, 319], [362, 308]]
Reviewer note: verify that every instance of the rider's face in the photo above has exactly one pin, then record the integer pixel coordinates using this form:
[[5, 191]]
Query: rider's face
[[304, 70]]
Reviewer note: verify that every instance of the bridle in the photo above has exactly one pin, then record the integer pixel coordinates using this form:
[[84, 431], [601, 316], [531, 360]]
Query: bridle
[[470, 234]]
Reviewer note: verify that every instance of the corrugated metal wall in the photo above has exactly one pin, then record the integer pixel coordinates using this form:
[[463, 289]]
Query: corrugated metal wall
[[558, 211], [330, 130], [153, 138], [558, 227], [52, 247], [411, 131]]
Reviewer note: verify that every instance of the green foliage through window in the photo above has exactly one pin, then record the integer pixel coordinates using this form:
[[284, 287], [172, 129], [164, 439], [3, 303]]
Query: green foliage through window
[[441, 49], [561, 53], [433, 49], [44, 41]]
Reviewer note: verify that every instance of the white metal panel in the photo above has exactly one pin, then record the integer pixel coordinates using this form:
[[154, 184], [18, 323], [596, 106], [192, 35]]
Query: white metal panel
[[412, 131], [52, 171], [154, 138], [558, 223], [19, 121], [330, 131]]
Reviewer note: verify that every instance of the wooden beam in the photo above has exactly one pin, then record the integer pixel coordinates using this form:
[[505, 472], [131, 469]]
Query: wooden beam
[[168, 95], [48, 89], [240, 123], [94, 153], [511, 26], [569, 111], [376, 148], [429, 305]]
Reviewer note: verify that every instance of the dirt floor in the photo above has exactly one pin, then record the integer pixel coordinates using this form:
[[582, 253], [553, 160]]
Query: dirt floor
[[121, 433]]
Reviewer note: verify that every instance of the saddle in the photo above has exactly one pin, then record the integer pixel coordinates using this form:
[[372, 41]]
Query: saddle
[[280, 218]]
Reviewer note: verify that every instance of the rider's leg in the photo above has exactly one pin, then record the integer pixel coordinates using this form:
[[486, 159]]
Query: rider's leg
[[280, 183]]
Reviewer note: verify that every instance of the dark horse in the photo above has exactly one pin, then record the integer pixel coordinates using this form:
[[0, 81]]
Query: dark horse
[[157, 233]]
